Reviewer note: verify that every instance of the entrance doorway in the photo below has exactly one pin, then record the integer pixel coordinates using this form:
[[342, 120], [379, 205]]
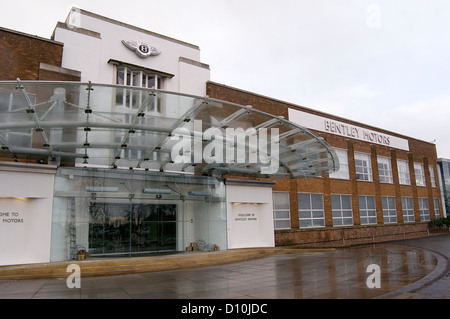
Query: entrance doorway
[[132, 229]]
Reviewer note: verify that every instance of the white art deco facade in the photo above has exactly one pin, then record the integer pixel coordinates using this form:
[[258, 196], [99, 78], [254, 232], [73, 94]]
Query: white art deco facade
[[137, 153], [135, 159]]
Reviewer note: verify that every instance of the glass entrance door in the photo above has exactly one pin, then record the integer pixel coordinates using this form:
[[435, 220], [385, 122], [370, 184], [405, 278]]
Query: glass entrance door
[[132, 229]]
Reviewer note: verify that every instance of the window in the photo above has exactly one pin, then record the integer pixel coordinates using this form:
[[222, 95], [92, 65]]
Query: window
[[343, 172], [281, 210], [437, 213], [424, 210], [138, 78], [310, 210], [389, 211], [420, 174], [408, 210], [432, 176], [129, 77], [363, 167], [403, 173], [341, 206], [367, 211], [385, 170]]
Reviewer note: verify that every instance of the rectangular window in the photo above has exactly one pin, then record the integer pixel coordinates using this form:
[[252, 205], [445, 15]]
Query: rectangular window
[[367, 211], [310, 210], [281, 210], [432, 176], [389, 211], [420, 174], [342, 210], [437, 213], [403, 172], [385, 170], [137, 78], [408, 210], [343, 172], [363, 167], [424, 210]]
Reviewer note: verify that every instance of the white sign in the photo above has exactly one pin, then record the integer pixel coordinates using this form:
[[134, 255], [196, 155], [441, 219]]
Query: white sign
[[331, 126]]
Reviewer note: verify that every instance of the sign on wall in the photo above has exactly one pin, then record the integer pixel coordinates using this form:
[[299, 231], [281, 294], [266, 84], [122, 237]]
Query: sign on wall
[[335, 127], [142, 50]]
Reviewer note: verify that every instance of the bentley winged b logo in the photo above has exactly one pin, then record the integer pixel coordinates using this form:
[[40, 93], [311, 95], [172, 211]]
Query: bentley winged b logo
[[142, 50]]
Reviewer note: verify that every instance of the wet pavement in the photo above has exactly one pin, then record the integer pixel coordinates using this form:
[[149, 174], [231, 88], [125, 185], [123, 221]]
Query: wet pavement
[[415, 268]]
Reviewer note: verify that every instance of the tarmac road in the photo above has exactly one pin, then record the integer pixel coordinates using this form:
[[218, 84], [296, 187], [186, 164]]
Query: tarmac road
[[415, 268]]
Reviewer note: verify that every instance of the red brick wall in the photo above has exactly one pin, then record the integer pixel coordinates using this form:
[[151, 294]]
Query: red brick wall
[[347, 236], [420, 152], [21, 55]]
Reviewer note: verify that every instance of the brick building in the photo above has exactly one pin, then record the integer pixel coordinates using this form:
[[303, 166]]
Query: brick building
[[31, 57], [387, 187], [91, 120]]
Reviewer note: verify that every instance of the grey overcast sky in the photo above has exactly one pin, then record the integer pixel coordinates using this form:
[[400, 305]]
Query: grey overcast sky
[[381, 62]]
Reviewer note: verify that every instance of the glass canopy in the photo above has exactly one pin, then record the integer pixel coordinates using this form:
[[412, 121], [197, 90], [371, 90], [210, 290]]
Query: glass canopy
[[84, 124]]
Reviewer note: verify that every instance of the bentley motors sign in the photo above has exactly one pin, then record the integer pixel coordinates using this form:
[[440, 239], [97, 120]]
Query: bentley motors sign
[[327, 125]]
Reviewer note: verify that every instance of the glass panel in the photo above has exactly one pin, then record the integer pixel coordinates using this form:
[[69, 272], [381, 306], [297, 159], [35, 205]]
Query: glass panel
[[346, 202], [370, 202], [318, 223], [317, 201], [114, 126], [362, 202], [304, 201], [279, 224], [130, 213], [304, 223], [317, 214], [391, 201], [120, 76], [282, 214], [281, 200], [336, 201]]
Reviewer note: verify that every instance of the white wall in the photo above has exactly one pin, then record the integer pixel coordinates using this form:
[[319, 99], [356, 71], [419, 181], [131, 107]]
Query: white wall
[[26, 201], [249, 214], [90, 53]]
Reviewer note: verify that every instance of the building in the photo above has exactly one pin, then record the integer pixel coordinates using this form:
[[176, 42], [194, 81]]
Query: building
[[386, 188], [91, 46], [444, 180], [131, 150], [32, 58]]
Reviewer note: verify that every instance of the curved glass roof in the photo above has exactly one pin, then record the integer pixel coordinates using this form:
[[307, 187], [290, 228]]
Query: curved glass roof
[[82, 124]]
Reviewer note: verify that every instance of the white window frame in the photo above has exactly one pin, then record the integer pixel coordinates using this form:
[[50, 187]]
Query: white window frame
[[419, 171], [437, 212], [316, 215], [385, 170], [432, 176], [367, 216], [137, 78], [389, 209], [424, 209], [282, 210], [363, 167], [341, 215], [408, 210], [403, 172], [344, 172]]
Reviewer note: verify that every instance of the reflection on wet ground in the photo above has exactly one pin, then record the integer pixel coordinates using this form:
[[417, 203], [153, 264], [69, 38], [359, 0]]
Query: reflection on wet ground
[[331, 275]]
